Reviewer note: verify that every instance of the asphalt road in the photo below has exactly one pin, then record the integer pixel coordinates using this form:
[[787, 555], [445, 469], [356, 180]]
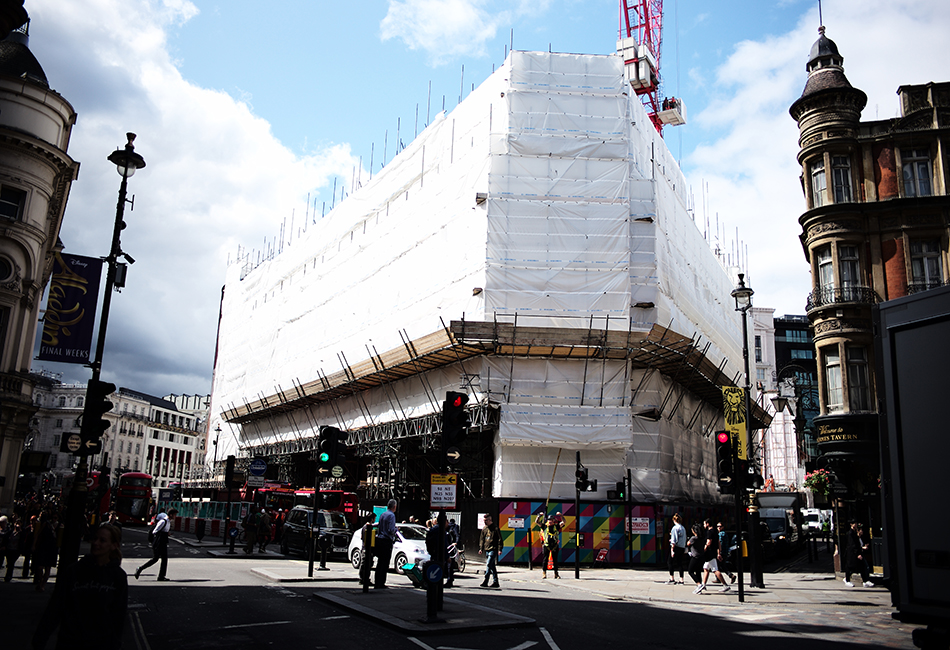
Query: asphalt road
[[220, 603]]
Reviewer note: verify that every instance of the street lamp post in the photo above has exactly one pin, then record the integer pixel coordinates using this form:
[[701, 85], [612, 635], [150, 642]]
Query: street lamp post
[[743, 297], [126, 162]]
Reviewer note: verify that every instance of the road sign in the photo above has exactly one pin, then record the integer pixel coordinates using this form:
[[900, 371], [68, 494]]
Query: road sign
[[258, 467], [433, 572], [255, 481], [453, 455], [90, 447], [74, 442], [443, 491], [336, 471]]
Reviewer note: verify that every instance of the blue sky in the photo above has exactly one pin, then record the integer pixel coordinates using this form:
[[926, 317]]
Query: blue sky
[[244, 109]]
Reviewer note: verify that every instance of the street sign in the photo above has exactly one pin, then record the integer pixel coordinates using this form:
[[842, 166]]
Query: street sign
[[453, 455], [443, 491], [336, 471], [255, 481], [433, 572], [90, 447], [73, 442], [258, 467]]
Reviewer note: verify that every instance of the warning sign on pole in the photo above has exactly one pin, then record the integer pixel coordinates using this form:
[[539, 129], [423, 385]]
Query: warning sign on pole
[[443, 491]]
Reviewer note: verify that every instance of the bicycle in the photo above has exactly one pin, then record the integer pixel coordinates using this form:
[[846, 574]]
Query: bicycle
[[457, 555]]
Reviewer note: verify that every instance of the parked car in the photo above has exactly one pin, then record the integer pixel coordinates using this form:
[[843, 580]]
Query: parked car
[[296, 531], [410, 548]]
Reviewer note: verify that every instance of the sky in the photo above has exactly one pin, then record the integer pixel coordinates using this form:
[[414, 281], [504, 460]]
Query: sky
[[249, 114]]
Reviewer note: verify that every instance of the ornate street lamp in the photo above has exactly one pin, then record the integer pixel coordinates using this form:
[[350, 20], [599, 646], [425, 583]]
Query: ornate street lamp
[[126, 162]]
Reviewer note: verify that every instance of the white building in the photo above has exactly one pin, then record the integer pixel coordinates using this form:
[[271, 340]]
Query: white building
[[533, 248], [147, 434], [36, 175]]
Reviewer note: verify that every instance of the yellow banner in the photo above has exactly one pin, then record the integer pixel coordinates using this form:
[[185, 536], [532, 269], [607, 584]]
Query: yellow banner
[[733, 404]]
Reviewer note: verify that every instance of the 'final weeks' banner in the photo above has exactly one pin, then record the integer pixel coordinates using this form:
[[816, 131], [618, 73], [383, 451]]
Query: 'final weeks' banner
[[71, 309]]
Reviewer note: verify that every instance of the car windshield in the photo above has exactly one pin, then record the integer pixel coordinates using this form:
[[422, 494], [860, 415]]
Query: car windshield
[[776, 525], [412, 532], [332, 520]]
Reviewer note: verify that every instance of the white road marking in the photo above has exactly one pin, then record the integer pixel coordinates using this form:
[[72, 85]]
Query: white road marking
[[420, 643], [547, 637], [235, 627]]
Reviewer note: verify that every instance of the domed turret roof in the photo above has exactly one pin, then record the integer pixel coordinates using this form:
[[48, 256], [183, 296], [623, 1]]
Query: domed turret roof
[[16, 59], [823, 47]]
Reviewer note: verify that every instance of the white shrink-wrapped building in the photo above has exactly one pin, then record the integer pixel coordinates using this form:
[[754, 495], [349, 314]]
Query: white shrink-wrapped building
[[534, 249]]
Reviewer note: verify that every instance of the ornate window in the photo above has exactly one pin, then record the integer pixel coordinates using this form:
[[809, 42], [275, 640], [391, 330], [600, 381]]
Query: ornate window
[[850, 270], [834, 397], [11, 203], [916, 164], [926, 265], [818, 183], [859, 390], [841, 178]]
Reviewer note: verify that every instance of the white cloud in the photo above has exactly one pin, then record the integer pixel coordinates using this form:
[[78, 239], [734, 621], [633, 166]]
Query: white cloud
[[216, 178], [751, 168], [448, 29]]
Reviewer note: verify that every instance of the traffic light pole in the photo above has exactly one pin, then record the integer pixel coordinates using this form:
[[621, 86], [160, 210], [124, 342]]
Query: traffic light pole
[[577, 526]]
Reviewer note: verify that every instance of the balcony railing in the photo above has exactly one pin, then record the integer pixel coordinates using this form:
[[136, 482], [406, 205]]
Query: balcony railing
[[917, 287], [826, 296]]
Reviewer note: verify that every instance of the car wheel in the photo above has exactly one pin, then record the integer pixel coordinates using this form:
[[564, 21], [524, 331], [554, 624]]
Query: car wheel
[[400, 560], [461, 562], [356, 557]]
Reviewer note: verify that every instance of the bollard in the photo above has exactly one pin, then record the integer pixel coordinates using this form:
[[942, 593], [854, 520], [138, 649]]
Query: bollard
[[232, 533]]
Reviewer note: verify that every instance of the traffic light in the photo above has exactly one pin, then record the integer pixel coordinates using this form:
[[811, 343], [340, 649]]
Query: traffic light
[[725, 469], [93, 422], [229, 472], [581, 478], [617, 493], [332, 448], [455, 420]]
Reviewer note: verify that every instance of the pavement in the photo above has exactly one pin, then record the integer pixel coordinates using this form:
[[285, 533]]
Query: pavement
[[800, 585]]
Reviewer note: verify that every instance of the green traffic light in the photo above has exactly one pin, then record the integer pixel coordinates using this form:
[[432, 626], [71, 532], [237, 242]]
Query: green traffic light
[[324, 457]]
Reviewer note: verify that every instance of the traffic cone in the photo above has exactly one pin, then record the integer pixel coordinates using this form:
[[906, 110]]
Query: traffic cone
[[550, 562]]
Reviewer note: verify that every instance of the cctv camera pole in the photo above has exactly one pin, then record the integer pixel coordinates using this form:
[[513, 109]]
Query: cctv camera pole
[[127, 161]]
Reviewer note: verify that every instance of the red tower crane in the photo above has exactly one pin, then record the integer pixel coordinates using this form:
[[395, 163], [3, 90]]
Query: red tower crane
[[640, 44]]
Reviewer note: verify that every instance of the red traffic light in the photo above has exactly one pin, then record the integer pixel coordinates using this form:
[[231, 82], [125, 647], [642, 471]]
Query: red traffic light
[[723, 437], [457, 402]]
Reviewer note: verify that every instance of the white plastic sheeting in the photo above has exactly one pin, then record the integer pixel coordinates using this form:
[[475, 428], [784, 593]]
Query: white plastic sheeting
[[585, 218]]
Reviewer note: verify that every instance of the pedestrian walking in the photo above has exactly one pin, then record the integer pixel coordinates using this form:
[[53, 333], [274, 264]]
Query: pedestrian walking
[[368, 537], [90, 599], [159, 547], [677, 549], [694, 547], [385, 538], [45, 549], [725, 546], [263, 530], [550, 542], [250, 531], [14, 549], [710, 561], [489, 543], [857, 556], [451, 542]]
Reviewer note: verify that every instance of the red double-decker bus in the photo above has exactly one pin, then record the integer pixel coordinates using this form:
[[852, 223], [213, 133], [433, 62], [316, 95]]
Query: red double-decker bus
[[133, 496]]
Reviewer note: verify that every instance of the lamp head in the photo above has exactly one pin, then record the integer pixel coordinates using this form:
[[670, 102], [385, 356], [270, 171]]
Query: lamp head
[[742, 294], [126, 160]]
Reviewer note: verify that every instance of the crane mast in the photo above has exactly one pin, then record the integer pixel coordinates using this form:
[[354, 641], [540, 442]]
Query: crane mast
[[640, 44]]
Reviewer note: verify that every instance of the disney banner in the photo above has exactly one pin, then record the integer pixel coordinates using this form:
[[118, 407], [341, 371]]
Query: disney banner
[[71, 309]]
